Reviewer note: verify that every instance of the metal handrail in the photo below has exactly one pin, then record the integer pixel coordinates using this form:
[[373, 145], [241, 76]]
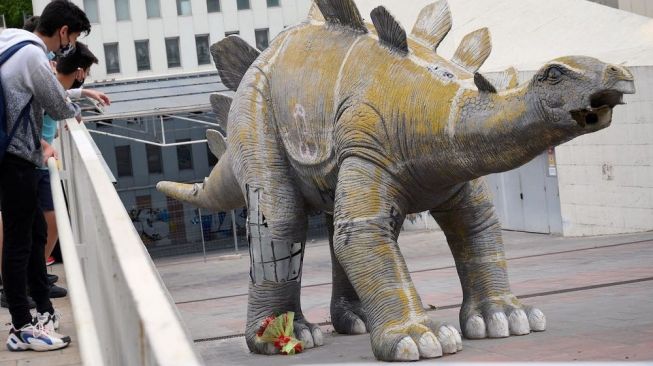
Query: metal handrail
[[87, 336]]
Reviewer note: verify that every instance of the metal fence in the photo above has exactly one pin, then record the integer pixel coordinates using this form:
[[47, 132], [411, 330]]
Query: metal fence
[[134, 320], [180, 229]]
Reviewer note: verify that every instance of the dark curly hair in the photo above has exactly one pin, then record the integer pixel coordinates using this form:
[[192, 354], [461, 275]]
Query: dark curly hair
[[63, 12]]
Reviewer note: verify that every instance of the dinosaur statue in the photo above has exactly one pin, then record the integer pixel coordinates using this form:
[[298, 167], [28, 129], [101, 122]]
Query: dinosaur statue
[[368, 124]]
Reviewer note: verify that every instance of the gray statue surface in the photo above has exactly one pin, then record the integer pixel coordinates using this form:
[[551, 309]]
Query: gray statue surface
[[368, 124]]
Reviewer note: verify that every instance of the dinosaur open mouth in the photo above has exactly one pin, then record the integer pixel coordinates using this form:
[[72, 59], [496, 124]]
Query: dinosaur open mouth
[[600, 108]]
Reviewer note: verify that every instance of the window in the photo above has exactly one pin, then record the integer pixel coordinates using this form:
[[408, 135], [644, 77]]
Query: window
[[124, 161], [154, 159], [183, 7], [142, 55], [273, 3], [184, 155], [212, 159], [232, 33], [122, 9], [243, 4], [111, 58], [153, 8], [90, 8], [202, 45], [261, 36], [213, 6], [172, 52]]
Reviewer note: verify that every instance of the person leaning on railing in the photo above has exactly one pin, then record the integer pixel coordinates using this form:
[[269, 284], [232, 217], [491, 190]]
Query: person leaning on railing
[[71, 72], [29, 89]]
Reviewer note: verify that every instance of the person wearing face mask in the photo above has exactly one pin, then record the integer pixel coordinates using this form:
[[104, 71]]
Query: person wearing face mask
[[69, 69], [75, 91], [29, 88]]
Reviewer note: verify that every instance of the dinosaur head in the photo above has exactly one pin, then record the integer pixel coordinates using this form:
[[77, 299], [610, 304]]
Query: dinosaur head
[[578, 93]]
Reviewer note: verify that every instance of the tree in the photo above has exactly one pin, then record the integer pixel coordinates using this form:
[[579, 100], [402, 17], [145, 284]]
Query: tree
[[14, 11]]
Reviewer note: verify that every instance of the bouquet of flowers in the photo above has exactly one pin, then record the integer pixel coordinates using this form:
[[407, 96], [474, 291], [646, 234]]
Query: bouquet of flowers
[[279, 331]]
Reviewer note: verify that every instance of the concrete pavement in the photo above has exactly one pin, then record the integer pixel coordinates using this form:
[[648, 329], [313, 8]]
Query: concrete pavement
[[597, 294]]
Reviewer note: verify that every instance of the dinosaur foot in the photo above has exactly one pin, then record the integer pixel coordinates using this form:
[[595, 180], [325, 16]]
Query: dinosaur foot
[[347, 316], [500, 317], [309, 333], [270, 298], [414, 341]]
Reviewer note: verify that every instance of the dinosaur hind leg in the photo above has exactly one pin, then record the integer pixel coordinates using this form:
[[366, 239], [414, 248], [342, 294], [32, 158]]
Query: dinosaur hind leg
[[347, 315], [474, 235]]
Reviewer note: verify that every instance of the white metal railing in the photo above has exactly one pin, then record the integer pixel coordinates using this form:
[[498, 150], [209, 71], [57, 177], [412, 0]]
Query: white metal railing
[[123, 313]]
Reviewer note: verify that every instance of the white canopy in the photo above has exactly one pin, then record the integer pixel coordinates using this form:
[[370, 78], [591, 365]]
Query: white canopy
[[528, 33]]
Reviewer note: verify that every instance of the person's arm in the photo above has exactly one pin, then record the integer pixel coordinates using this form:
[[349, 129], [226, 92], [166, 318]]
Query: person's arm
[[97, 95], [48, 91], [75, 93]]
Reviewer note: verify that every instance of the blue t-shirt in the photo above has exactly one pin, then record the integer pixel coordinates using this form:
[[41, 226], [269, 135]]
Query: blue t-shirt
[[49, 129]]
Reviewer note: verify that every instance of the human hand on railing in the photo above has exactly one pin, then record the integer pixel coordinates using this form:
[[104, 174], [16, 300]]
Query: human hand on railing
[[48, 151], [97, 95]]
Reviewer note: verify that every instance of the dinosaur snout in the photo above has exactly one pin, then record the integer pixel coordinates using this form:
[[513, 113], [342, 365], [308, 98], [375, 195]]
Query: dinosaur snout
[[624, 86], [598, 112]]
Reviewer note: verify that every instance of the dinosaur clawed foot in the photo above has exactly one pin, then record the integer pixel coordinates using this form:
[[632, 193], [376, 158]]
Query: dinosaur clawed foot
[[415, 341], [310, 334], [500, 318], [347, 316]]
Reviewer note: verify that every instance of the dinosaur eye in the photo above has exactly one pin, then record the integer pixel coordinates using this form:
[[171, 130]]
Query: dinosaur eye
[[554, 74]]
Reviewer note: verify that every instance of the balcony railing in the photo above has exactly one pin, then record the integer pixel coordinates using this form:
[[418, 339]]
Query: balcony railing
[[123, 313]]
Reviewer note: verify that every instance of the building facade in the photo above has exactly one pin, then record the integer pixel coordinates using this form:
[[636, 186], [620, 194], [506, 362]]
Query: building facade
[[141, 38], [641, 7]]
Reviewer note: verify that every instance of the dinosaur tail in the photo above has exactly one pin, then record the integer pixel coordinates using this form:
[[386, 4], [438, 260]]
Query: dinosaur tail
[[219, 192]]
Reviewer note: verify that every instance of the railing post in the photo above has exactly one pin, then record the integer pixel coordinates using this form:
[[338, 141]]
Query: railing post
[[233, 228]]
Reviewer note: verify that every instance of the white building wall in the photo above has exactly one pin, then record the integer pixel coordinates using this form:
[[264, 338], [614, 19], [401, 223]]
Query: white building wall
[[139, 27], [606, 178], [641, 7]]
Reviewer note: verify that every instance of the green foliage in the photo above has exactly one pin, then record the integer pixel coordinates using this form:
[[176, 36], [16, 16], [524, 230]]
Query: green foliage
[[13, 11]]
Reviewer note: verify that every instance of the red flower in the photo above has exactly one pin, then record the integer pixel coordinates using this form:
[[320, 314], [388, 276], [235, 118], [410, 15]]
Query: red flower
[[298, 347], [281, 341], [264, 325]]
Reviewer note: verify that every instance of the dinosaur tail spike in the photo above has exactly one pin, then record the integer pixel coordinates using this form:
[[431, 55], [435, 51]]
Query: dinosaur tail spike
[[219, 192]]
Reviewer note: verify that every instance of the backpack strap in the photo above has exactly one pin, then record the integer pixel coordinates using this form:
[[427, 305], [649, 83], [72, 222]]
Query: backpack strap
[[23, 117]]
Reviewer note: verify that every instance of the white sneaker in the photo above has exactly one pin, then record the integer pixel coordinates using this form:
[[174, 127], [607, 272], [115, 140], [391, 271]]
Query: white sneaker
[[35, 337], [50, 322]]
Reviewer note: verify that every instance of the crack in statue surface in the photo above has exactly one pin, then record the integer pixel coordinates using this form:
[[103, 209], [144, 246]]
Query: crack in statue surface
[[368, 124]]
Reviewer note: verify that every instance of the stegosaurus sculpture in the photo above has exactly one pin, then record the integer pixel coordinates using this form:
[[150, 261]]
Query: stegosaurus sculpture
[[368, 124]]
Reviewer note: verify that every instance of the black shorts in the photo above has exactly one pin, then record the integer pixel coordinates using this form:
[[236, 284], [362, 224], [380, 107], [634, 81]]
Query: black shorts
[[44, 190]]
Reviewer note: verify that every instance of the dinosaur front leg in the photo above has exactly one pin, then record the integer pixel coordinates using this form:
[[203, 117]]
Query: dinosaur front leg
[[474, 235], [347, 314], [276, 243], [368, 217]]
